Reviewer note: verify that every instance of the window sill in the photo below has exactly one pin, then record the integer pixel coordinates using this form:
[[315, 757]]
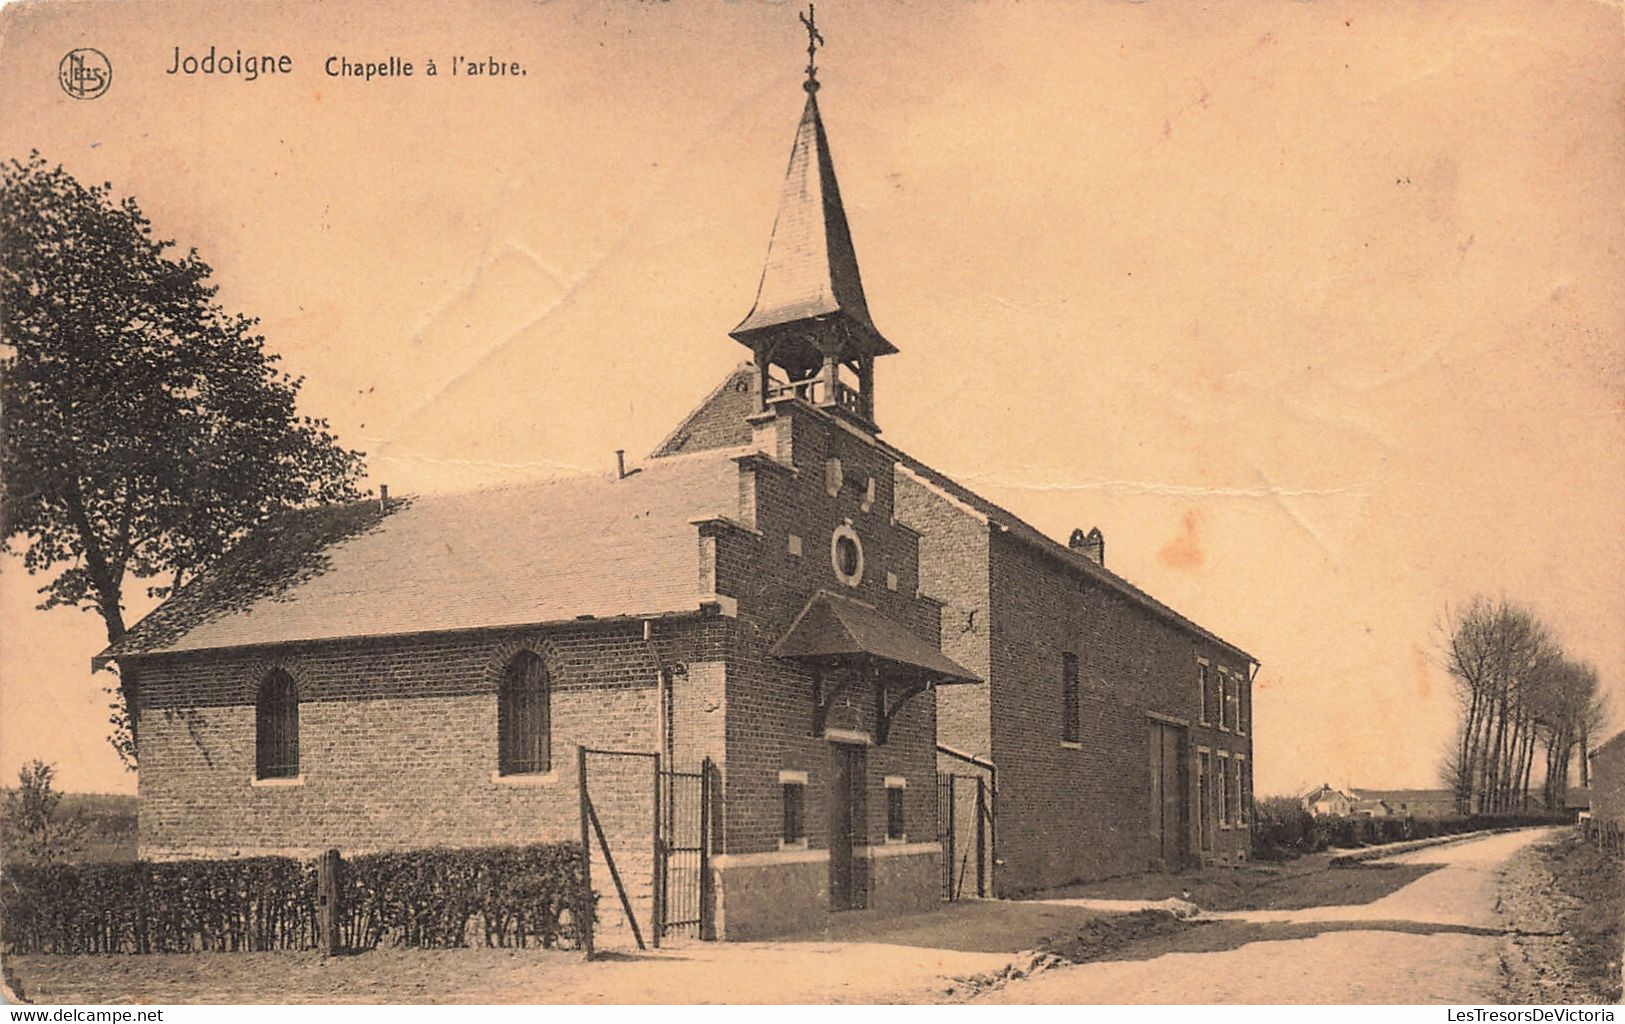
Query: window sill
[[527, 779], [1069, 745], [793, 844], [897, 840], [280, 782]]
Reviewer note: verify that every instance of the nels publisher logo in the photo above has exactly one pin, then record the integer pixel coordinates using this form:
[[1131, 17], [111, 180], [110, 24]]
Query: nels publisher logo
[[85, 73]]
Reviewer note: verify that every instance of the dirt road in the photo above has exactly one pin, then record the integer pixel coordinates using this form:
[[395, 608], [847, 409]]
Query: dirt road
[[1436, 940]]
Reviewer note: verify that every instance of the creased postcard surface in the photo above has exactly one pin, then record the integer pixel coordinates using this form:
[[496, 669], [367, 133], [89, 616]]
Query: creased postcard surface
[[791, 466]]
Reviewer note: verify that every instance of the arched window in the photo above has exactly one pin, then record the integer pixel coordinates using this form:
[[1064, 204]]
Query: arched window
[[276, 720], [524, 726]]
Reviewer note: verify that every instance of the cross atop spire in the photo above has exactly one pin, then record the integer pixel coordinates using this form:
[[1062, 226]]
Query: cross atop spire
[[814, 41]]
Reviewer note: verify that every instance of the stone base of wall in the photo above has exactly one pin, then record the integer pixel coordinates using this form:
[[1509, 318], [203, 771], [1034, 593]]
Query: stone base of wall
[[772, 894], [761, 895], [1234, 849], [905, 878]]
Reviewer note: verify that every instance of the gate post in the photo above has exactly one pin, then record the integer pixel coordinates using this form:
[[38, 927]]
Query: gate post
[[708, 923], [657, 884], [584, 907], [327, 902], [981, 838]]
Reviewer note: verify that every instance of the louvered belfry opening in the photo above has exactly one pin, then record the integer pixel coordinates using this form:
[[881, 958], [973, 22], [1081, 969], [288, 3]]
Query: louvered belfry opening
[[276, 746], [523, 717]]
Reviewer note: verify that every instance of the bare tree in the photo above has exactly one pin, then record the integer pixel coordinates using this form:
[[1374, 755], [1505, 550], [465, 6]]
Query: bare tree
[[1517, 691]]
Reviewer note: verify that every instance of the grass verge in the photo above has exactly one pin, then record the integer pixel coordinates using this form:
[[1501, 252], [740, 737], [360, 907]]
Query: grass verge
[[1594, 917]]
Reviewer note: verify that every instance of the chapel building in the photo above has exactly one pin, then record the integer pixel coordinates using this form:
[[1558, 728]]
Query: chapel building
[[812, 622]]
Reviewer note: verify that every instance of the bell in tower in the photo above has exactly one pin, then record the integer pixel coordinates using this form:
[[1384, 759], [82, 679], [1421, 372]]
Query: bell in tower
[[810, 330]]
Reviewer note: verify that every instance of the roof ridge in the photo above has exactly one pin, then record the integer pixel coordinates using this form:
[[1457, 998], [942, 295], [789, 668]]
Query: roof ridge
[[538, 483], [1054, 546]]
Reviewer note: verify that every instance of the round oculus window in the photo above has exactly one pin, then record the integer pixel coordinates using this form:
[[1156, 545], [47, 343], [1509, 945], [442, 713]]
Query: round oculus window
[[846, 555]]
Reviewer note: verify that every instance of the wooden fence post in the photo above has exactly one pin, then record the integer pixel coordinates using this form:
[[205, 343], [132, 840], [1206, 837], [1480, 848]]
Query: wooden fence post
[[327, 902]]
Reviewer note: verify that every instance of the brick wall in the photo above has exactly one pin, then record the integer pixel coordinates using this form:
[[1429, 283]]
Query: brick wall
[[1608, 782], [718, 421], [770, 702], [1010, 611], [398, 739], [1070, 813], [954, 571]]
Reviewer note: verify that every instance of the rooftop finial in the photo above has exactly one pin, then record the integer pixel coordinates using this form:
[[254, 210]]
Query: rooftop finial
[[814, 41]]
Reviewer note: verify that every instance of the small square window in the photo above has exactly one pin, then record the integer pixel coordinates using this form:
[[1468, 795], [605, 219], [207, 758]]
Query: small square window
[[896, 827], [795, 822]]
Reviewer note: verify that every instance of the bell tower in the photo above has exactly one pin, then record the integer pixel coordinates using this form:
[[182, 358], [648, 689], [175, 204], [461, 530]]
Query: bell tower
[[810, 332]]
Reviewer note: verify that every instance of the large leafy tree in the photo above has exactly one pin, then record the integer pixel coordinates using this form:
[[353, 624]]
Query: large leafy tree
[[145, 428]]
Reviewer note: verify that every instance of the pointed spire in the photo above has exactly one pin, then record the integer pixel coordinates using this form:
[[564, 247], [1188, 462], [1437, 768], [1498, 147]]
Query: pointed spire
[[810, 311], [812, 269]]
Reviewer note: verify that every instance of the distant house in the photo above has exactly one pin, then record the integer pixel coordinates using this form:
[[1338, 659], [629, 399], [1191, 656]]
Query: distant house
[[1576, 799], [1328, 800], [1365, 807], [1411, 803], [1608, 782]]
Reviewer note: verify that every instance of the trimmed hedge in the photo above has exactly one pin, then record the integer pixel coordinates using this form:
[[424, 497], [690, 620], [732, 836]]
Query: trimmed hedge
[[1283, 829], [257, 903], [502, 896]]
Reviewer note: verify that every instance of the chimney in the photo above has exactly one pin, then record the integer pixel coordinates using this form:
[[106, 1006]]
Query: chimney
[[1091, 545]]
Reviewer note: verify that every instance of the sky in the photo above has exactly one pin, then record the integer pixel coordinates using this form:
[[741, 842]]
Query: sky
[[1314, 309]]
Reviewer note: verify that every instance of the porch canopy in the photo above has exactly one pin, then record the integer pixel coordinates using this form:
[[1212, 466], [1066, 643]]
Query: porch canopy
[[837, 633]]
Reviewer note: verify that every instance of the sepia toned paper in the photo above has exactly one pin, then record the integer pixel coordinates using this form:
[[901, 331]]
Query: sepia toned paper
[[1313, 310]]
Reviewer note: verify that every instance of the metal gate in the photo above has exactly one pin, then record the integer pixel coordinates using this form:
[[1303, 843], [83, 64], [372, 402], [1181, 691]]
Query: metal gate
[[965, 827], [685, 889], [645, 831]]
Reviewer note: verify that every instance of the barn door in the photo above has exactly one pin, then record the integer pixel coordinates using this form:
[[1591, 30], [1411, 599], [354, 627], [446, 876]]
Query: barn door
[[1170, 795]]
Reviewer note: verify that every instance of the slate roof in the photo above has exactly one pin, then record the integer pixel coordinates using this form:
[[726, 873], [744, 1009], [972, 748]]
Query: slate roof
[[1618, 737], [1018, 528], [521, 555], [834, 626], [1324, 790], [812, 269]]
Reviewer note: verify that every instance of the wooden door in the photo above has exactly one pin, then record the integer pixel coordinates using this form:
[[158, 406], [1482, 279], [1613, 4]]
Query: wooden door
[[1170, 811], [845, 825]]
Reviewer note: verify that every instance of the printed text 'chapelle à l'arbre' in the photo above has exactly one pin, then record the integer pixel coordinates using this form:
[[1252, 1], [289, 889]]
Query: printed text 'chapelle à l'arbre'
[[251, 67]]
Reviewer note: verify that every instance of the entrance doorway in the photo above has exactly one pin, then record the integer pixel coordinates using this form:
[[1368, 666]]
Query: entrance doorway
[[847, 890], [1170, 800]]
